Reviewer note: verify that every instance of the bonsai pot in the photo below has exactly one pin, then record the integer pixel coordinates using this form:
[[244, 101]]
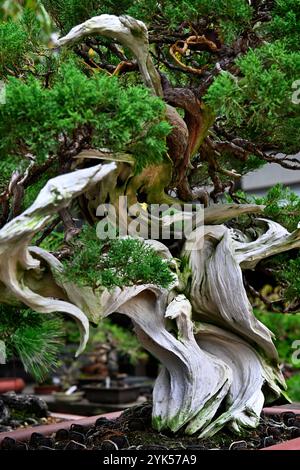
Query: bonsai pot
[[22, 435], [90, 380], [46, 389], [116, 395], [11, 385], [63, 397]]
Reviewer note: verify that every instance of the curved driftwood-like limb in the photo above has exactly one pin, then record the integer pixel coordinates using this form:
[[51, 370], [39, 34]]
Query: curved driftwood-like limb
[[220, 213], [274, 239], [225, 364], [180, 393], [127, 31], [217, 291], [15, 257], [245, 399]]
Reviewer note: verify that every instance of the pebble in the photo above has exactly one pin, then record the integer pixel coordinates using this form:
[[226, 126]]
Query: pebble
[[76, 436], [120, 441], [288, 417], [35, 439], [20, 446], [104, 422], [72, 445], [238, 445], [295, 433], [109, 445], [8, 443], [62, 435], [79, 428], [267, 441], [136, 425]]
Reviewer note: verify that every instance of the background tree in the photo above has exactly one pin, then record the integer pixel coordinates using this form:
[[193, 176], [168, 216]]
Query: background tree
[[184, 112]]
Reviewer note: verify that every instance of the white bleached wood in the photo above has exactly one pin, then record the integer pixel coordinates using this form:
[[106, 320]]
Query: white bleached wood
[[125, 30], [15, 257]]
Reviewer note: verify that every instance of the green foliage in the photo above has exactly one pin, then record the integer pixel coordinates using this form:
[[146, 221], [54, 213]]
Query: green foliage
[[69, 13], [291, 277], [121, 262], [123, 339], [286, 271], [28, 12], [285, 24], [286, 328], [24, 31], [228, 162], [54, 241], [35, 338], [120, 119], [33, 190], [293, 387], [258, 106], [282, 206], [13, 46], [231, 16]]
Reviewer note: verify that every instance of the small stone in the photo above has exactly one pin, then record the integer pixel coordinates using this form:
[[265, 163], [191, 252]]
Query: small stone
[[297, 422], [89, 442], [109, 445], [47, 442], [21, 446], [62, 435], [60, 445], [287, 416], [120, 441], [95, 438], [238, 445], [268, 441], [91, 431], [35, 439], [77, 437], [79, 428], [32, 421], [8, 443], [136, 425], [291, 422], [255, 443], [103, 422], [72, 445], [273, 431], [295, 433]]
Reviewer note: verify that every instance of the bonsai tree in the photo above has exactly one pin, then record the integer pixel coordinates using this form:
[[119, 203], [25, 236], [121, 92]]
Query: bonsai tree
[[161, 104]]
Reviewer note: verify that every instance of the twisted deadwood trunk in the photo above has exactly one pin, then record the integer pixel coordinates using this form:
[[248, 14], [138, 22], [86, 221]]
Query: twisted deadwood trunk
[[217, 352]]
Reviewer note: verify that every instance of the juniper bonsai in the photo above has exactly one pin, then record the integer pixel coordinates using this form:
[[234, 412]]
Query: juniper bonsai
[[167, 105]]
